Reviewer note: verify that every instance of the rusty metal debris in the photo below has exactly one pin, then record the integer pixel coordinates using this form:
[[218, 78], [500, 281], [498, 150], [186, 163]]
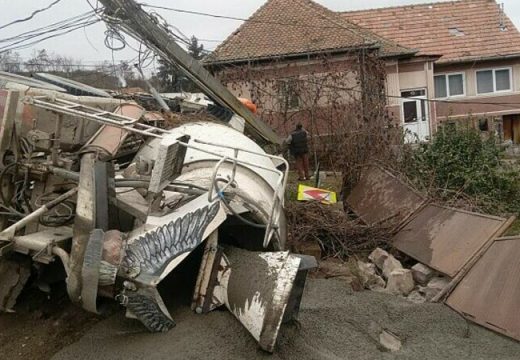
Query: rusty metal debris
[[379, 196], [489, 294], [460, 244], [446, 239]]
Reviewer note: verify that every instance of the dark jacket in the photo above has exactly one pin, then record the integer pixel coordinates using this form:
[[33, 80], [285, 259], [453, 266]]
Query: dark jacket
[[298, 143]]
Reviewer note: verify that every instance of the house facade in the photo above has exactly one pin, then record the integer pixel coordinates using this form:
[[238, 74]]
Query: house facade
[[443, 62], [477, 72]]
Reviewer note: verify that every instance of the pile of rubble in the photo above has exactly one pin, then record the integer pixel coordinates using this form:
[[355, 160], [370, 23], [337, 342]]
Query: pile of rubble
[[478, 265], [386, 274]]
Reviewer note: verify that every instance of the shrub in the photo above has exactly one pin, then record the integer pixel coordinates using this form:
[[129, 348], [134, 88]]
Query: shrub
[[459, 164]]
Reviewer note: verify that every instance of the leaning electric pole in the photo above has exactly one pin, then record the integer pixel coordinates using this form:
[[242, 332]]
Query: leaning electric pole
[[140, 25]]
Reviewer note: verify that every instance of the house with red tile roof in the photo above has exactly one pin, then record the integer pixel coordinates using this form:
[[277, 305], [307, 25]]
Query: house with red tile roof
[[444, 61]]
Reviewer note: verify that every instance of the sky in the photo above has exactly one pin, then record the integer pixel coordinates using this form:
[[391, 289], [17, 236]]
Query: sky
[[87, 45]]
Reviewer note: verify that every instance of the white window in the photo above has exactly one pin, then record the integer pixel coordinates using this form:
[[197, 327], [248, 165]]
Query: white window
[[494, 80], [448, 85]]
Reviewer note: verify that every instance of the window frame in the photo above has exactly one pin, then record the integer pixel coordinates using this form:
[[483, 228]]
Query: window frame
[[291, 99], [493, 71], [447, 83]]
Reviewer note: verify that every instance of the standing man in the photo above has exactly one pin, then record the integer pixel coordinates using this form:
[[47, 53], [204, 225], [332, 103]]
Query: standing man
[[299, 148]]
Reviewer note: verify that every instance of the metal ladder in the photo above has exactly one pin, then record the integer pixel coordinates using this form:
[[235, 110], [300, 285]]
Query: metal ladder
[[66, 107]]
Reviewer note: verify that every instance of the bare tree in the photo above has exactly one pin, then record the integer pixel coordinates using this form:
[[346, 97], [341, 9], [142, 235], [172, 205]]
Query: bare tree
[[10, 61]]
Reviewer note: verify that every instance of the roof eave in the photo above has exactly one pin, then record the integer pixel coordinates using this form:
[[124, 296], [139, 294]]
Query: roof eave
[[371, 46], [477, 58], [403, 54]]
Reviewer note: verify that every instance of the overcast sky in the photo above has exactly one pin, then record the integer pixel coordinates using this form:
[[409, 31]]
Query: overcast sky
[[89, 47]]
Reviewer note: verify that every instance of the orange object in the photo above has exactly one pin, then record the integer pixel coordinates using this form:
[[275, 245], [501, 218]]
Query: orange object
[[249, 104]]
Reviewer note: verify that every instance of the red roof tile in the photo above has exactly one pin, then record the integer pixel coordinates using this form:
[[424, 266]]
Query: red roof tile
[[293, 27], [461, 30]]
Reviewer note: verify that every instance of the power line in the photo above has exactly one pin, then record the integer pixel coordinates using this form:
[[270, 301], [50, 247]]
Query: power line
[[65, 31], [59, 28], [226, 17], [36, 12]]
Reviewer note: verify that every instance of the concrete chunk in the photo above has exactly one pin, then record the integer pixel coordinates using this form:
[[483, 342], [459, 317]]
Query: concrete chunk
[[389, 341], [434, 286], [438, 283], [422, 274], [390, 264], [369, 277], [400, 282], [416, 297], [378, 257]]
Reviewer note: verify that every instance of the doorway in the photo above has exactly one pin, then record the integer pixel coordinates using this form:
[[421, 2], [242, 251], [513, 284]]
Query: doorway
[[511, 126], [415, 117]]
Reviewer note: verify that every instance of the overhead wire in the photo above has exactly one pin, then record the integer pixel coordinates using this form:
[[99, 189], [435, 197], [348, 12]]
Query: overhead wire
[[34, 13], [227, 17], [56, 29]]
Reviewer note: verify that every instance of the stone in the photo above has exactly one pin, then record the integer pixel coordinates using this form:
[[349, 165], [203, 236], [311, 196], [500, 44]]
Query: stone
[[416, 297], [422, 274], [390, 341], [438, 283], [400, 282], [368, 276], [434, 286], [390, 264], [378, 257]]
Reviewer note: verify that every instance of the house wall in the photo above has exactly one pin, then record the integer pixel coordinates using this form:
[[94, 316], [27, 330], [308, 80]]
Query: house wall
[[409, 74], [258, 83], [480, 105], [319, 84]]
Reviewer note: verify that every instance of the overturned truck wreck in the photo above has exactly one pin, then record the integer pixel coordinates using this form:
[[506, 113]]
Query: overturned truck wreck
[[122, 204], [121, 196]]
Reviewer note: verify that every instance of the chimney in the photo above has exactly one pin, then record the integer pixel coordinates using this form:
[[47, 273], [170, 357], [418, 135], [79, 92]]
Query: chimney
[[502, 25]]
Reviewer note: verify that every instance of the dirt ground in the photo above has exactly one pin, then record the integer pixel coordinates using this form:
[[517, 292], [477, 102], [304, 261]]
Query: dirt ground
[[42, 325], [335, 323]]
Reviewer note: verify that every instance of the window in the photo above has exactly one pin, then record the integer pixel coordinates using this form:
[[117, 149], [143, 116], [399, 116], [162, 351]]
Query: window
[[495, 80], [289, 94], [410, 111], [447, 85]]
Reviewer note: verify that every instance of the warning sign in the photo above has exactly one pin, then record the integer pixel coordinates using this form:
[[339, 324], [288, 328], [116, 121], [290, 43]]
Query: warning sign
[[307, 193]]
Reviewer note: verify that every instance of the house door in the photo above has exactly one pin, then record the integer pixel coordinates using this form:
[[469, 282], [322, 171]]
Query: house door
[[416, 122], [512, 128]]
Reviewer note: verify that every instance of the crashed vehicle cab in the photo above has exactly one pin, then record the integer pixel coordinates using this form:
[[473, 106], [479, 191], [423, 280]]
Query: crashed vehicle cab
[[92, 182]]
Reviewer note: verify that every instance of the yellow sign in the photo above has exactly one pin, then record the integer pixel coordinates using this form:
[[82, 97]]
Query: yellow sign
[[308, 193]]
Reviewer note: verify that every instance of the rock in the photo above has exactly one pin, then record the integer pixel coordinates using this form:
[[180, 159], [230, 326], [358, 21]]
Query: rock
[[390, 264], [434, 286], [438, 283], [416, 297], [378, 257], [427, 292], [369, 277], [389, 341], [400, 282], [422, 274]]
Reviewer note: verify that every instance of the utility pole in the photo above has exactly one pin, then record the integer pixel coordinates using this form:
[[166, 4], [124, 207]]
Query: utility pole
[[139, 24]]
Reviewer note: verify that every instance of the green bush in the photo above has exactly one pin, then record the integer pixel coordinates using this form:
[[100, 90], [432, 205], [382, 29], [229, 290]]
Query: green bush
[[460, 164]]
